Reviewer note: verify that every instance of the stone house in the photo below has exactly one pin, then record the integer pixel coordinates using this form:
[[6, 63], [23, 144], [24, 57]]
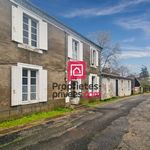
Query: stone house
[[34, 51], [113, 86]]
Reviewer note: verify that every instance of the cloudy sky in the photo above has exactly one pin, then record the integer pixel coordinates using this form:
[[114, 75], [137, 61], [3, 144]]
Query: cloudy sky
[[128, 21]]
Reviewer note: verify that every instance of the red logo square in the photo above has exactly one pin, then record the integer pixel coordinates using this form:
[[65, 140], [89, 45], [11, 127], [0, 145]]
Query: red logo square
[[76, 70]]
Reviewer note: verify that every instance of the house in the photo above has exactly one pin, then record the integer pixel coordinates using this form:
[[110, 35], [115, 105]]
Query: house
[[113, 86], [34, 51]]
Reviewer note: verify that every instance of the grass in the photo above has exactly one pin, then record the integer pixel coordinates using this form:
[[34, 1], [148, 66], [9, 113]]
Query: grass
[[98, 102], [34, 117]]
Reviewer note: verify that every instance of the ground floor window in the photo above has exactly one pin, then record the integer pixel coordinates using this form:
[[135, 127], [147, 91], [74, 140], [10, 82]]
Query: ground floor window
[[29, 85], [93, 83]]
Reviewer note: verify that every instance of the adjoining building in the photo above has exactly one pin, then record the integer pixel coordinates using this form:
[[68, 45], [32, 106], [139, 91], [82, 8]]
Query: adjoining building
[[136, 86], [113, 86]]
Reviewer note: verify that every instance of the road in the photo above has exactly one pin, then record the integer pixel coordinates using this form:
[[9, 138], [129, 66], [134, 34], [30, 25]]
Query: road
[[124, 125]]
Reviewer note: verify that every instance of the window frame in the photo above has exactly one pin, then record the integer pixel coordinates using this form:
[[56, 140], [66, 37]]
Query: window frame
[[31, 67], [93, 60], [30, 19], [29, 85], [96, 82], [74, 41]]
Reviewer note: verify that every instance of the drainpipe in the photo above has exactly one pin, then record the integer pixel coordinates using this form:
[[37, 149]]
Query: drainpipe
[[65, 53], [100, 71]]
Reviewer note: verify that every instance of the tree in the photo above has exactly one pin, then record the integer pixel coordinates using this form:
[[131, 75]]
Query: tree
[[121, 70], [109, 53], [144, 72]]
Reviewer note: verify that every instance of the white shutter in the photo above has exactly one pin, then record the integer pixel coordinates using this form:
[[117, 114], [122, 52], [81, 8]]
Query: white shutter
[[81, 52], [43, 85], [91, 57], [90, 82], [98, 83], [43, 35], [17, 24], [69, 46], [16, 85], [97, 58]]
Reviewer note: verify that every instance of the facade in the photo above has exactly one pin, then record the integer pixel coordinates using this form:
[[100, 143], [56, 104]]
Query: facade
[[113, 86], [34, 51]]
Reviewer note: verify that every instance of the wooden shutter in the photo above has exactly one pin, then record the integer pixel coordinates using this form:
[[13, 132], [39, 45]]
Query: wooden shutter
[[69, 46], [17, 24], [16, 85], [43, 35], [43, 85]]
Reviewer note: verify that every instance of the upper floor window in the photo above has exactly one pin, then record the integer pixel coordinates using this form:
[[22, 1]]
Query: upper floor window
[[30, 30], [75, 49], [94, 57]]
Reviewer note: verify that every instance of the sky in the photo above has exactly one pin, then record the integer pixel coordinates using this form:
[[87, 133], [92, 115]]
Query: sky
[[128, 22]]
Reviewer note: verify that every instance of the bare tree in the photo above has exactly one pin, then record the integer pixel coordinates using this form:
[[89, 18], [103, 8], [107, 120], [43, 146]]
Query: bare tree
[[123, 71], [110, 52]]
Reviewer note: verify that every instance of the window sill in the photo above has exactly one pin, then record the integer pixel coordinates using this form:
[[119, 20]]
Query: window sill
[[30, 48], [93, 66], [30, 102]]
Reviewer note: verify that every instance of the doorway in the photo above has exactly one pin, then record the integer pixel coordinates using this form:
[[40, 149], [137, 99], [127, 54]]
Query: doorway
[[117, 88]]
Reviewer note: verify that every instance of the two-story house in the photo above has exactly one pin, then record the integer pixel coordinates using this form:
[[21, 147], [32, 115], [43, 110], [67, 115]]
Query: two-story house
[[34, 51]]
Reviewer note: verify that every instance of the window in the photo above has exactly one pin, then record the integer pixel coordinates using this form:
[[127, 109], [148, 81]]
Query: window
[[93, 83], [94, 57], [29, 85], [30, 31], [75, 49]]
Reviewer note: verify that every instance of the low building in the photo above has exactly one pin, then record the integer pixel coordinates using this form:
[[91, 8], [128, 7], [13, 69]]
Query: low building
[[113, 86]]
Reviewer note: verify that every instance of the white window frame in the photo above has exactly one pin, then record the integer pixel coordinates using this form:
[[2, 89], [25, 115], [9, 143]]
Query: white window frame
[[17, 84], [31, 67], [97, 81], [29, 85], [70, 48], [75, 56], [17, 29], [93, 60], [30, 32]]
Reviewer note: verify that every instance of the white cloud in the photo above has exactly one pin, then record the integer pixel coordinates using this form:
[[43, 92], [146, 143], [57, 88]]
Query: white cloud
[[140, 22], [129, 40], [135, 54], [120, 7]]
